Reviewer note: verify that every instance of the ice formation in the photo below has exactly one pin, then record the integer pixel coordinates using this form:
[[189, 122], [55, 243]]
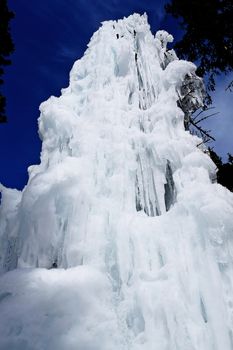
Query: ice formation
[[121, 239]]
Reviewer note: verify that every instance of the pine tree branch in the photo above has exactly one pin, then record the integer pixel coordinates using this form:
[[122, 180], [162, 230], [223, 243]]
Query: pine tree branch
[[201, 130], [208, 116], [230, 86]]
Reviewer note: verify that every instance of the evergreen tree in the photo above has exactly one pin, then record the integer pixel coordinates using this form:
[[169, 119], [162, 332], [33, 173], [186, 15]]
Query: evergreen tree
[[208, 33], [225, 170], [6, 48]]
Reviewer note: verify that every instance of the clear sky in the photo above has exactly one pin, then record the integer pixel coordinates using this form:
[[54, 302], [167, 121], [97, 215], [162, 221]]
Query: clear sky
[[49, 35]]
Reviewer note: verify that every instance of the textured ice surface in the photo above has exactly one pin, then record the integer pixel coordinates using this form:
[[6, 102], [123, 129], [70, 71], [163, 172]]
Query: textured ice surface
[[124, 204]]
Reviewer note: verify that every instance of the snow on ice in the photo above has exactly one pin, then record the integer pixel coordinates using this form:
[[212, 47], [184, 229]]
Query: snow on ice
[[121, 239]]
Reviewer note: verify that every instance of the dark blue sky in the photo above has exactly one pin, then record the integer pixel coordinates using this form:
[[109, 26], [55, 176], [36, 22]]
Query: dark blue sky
[[49, 35]]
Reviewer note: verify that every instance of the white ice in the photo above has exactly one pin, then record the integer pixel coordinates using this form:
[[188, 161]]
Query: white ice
[[124, 203]]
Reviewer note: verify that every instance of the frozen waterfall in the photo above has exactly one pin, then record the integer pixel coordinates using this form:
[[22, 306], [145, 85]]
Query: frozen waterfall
[[121, 240]]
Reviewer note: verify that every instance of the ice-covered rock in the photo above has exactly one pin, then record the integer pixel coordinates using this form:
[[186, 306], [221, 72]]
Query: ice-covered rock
[[120, 240]]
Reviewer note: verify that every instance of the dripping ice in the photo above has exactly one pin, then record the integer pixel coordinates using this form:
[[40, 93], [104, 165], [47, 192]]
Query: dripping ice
[[121, 239]]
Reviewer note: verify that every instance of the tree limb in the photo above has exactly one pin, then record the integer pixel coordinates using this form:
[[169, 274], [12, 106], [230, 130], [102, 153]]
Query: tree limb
[[201, 130]]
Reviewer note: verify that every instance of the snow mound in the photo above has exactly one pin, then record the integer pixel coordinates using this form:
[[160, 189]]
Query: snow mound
[[57, 309]]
